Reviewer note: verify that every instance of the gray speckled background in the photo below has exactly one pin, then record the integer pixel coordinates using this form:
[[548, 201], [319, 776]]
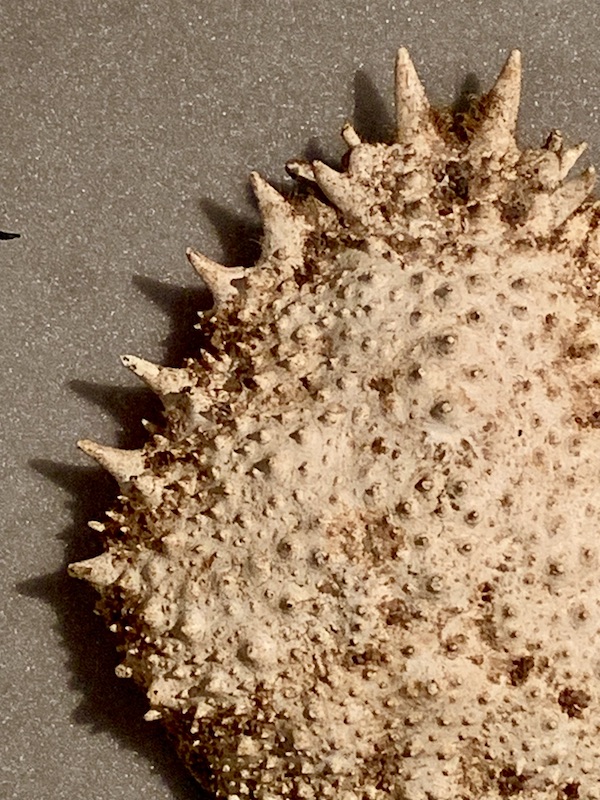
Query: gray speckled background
[[128, 130]]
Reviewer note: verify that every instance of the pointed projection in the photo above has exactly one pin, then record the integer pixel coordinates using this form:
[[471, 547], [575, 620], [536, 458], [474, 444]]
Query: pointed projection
[[162, 380], [568, 158], [550, 211], [123, 465], [350, 136], [285, 229], [216, 277], [300, 169], [414, 120], [496, 132], [100, 571], [338, 188]]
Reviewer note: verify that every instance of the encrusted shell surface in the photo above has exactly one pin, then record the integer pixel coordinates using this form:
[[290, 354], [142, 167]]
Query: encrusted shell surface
[[360, 560]]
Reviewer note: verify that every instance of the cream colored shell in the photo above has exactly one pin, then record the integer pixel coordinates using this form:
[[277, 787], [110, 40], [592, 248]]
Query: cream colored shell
[[360, 561]]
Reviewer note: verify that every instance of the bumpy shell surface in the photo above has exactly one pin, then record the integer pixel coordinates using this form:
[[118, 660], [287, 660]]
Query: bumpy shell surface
[[361, 559]]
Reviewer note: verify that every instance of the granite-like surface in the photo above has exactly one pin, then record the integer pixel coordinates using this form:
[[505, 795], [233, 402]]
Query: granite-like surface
[[128, 130]]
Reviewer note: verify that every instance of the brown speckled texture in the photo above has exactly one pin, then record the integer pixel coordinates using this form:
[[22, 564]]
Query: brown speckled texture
[[359, 559]]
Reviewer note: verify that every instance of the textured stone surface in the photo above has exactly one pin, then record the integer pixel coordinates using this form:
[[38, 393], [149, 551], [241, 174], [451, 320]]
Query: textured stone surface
[[359, 560]]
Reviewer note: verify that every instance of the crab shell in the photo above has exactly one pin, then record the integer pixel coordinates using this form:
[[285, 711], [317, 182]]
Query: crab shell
[[360, 559]]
